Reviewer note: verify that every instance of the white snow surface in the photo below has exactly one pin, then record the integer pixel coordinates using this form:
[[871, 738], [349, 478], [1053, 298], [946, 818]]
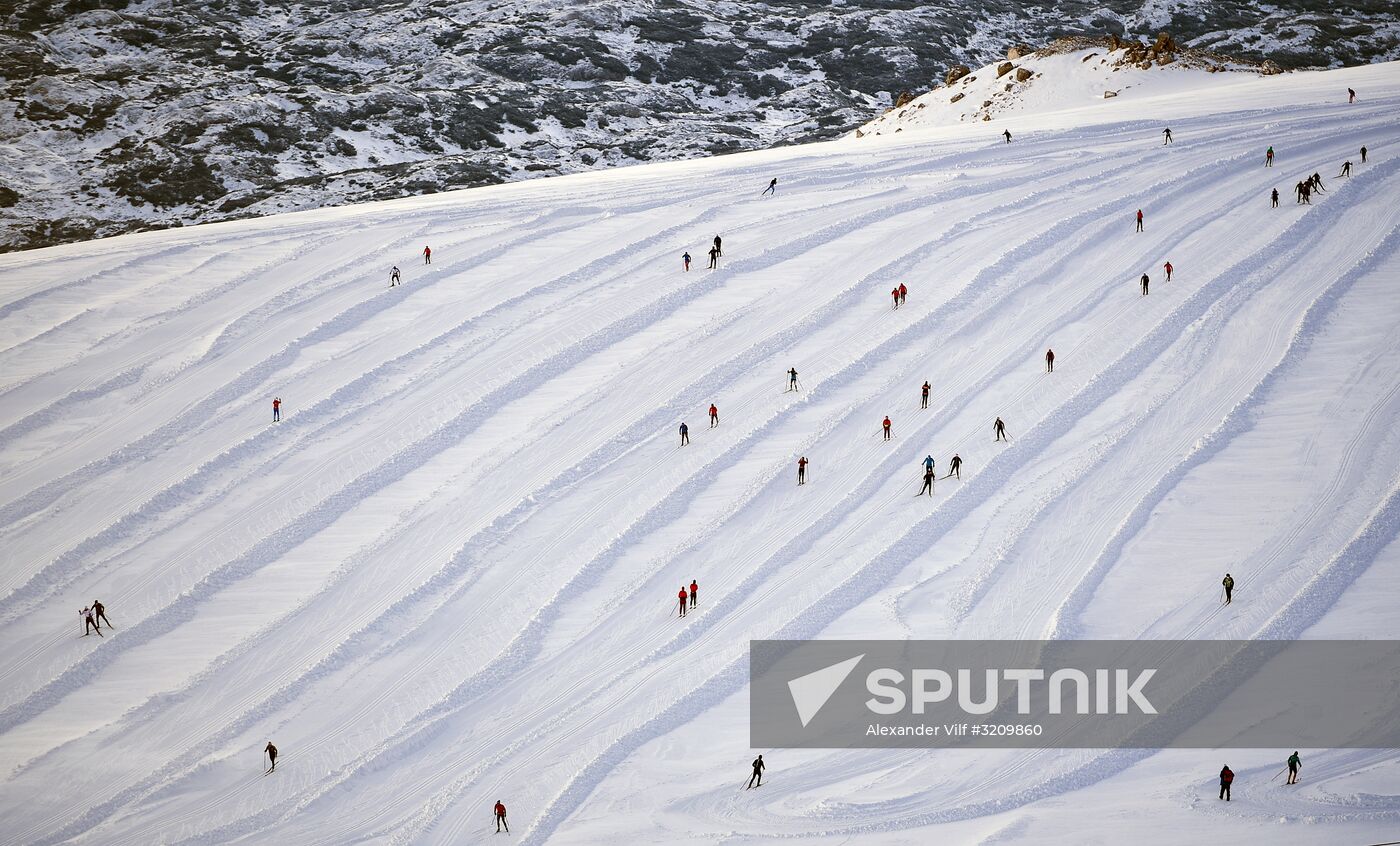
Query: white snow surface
[[447, 576], [1058, 79]]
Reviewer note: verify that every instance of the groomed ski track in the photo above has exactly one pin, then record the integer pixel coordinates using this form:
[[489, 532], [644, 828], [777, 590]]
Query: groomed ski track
[[448, 575]]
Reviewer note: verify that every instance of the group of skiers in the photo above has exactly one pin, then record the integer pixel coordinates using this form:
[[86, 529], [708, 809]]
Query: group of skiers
[[692, 596], [1303, 191], [1291, 766], [714, 421], [688, 597], [1146, 280], [1227, 778], [93, 616]]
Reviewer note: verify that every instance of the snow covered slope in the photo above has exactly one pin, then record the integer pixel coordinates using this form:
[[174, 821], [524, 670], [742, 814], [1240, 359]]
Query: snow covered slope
[[446, 576], [1070, 72]]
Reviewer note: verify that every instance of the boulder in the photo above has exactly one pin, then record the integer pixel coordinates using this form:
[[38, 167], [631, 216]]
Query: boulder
[[1023, 74], [1018, 51], [1165, 59], [1114, 42], [903, 99], [1164, 43], [1004, 68], [956, 73], [1108, 94], [1270, 67], [956, 97]]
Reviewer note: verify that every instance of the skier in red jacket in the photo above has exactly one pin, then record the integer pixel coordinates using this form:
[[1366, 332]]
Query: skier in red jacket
[[887, 428], [802, 470], [903, 293], [1227, 776], [276, 409], [694, 593], [894, 295], [714, 416], [1168, 268], [684, 596], [427, 255], [501, 817]]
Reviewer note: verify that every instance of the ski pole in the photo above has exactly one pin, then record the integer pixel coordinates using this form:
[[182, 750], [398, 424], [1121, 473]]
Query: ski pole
[[1279, 773]]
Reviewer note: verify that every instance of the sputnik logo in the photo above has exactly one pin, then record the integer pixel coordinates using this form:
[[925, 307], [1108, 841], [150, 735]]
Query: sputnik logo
[[811, 692]]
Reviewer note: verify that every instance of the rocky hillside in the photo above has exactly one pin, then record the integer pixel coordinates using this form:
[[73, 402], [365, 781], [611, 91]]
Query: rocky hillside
[[130, 114], [1072, 71]]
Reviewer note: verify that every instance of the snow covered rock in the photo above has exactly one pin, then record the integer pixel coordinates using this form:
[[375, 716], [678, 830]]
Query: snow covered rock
[[1064, 74]]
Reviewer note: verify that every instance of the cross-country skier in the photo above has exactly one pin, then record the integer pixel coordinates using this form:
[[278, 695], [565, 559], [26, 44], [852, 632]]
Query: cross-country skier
[[1049, 361], [1274, 197], [894, 295], [427, 255], [714, 416], [1007, 133], [903, 293], [1317, 182], [1363, 155], [1229, 583], [694, 593], [1139, 220], [1346, 169], [772, 187], [1168, 268], [928, 482], [276, 409], [887, 428], [1226, 777], [501, 818], [999, 429], [90, 625], [719, 247], [1269, 157], [757, 772], [394, 276], [955, 466], [802, 470], [1294, 764], [1166, 136], [925, 395], [271, 755], [792, 378], [99, 614], [714, 257], [928, 462], [685, 434], [684, 597], [1144, 281], [685, 260], [1351, 96]]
